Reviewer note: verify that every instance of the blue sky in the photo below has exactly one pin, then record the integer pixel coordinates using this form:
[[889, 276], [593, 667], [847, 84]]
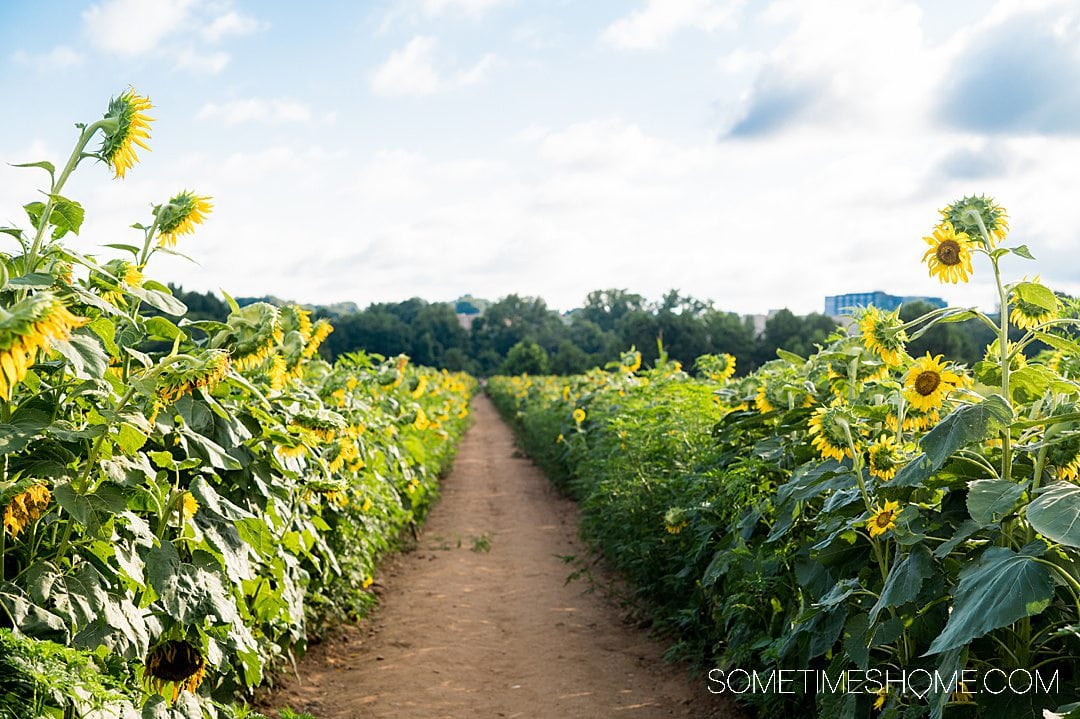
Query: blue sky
[[761, 154]]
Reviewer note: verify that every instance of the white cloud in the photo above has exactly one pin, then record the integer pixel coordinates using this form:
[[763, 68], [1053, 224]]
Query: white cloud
[[414, 70], [134, 27], [652, 26], [60, 57], [202, 61], [238, 112], [232, 23]]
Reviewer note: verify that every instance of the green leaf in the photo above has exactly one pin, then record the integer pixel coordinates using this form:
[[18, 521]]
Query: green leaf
[[790, 357], [67, 216], [1036, 294], [44, 165], [1055, 513], [905, 580], [1058, 343], [91, 510], [83, 350], [966, 425], [25, 425], [162, 329], [991, 500], [130, 439], [159, 300], [1002, 588], [1022, 251], [106, 332], [1029, 383], [34, 281]]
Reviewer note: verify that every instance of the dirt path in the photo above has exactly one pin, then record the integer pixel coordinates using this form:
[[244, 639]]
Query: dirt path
[[465, 633]]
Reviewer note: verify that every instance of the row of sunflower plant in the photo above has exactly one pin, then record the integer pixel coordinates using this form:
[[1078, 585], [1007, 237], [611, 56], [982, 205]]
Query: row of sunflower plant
[[858, 509], [183, 501]]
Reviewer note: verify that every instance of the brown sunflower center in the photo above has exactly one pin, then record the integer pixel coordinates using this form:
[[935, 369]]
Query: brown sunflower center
[[884, 519], [948, 252], [174, 661], [927, 382]]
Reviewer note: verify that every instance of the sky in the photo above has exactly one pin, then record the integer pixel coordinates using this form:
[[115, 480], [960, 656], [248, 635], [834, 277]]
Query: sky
[[759, 154]]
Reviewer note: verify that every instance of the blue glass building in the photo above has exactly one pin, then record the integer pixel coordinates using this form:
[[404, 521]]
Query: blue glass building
[[840, 305]]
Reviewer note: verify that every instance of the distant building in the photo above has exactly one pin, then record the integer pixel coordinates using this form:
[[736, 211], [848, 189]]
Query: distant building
[[840, 305]]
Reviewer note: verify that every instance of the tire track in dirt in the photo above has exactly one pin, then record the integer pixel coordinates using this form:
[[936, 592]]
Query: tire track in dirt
[[479, 621]]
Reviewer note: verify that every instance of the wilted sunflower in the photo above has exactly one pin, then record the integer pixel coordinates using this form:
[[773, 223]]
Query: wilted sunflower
[[928, 383], [128, 125], [883, 335], [949, 256], [994, 217], [885, 457], [187, 374], [179, 216], [675, 520], [883, 518], [176, 662], [25, 507], [26, 327], [830, 427]]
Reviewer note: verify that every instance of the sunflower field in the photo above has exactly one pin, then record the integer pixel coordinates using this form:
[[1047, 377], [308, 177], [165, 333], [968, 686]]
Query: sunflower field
[[183, 501], [859, 508]]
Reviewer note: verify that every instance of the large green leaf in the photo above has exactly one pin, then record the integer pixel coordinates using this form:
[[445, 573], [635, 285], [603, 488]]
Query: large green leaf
[[966, 425], [990, 500], [1002, 588], [905, 580], [1055, 513]]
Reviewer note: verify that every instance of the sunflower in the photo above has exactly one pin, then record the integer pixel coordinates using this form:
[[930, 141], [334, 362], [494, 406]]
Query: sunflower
[[126, 125], [1027, 315], [928, 383], [1066, 457], [319, 333], [579, 415], [777, 393], [253, 332], [881, 695], [188, 506], [279, 374], [176, 662], [949, 256], [915, 419], [27, 327], [630, 362], [25, 507], [675, 520], [883, 518], [885, 457], [322, 423], [718, 368], [960, 215], [179, 216], [189, 373], [993, 355], [830, 428], [882, 334]]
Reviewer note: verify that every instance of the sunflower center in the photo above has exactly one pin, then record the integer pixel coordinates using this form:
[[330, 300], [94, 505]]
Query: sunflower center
[[948, 252], [884, 519], [927, 382]]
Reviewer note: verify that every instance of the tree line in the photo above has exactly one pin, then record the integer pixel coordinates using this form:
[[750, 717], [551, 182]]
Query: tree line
[[523, 334]]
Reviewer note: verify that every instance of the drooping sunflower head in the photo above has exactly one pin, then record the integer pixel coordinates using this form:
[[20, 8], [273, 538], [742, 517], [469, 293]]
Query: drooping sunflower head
[[320, 331], [929, 382], [675, 520], [253, 331], [965, 214], [915, 419], [177, 663], [24, 506], [179, 216], [1065, 457], [278, 373], [1032, 304], [834, 430], [883, 518], [322, 423], [27, 327], [949, 256], [186, 374], [883, 334], [778, 392], [718, 368], [885, 457], [630, 361], [127, 125]]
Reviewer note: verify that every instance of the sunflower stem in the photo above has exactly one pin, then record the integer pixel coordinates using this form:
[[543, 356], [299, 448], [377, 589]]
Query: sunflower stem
[[54, 190]]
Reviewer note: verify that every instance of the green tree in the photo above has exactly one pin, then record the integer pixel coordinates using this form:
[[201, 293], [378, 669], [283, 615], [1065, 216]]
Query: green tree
[[525, 357]]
